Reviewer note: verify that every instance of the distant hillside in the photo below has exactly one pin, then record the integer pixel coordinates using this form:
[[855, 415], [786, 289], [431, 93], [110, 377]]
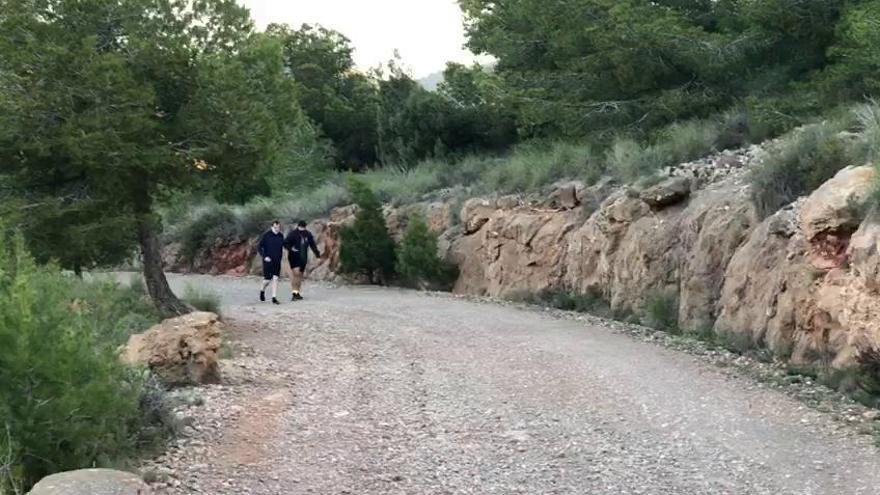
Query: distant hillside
[[430, 82]]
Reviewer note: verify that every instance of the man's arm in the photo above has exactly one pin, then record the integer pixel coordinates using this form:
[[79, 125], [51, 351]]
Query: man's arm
[[313, 245], [290, 242], [261, 247]]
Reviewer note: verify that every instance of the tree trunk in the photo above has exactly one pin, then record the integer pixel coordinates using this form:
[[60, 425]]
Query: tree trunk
[[154, 275]]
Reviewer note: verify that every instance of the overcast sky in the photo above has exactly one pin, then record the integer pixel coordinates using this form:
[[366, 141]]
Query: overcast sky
[[427, 33]]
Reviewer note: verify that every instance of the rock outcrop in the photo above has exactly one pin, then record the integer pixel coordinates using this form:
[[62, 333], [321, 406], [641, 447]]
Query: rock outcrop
[[180, 351], [804, 282], [91, 482], [668, 192]]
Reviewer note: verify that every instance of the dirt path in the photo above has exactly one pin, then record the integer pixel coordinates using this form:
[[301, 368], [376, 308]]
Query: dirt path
[[369, 391]]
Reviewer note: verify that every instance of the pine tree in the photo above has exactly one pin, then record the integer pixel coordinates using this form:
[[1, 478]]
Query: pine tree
[[366, 248], [417, 260]]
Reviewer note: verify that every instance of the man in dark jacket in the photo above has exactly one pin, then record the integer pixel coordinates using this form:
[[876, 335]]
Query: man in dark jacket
[[298, 243], [271, 249]]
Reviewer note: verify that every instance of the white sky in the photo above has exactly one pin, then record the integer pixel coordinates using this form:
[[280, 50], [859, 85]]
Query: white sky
[[427, 33]]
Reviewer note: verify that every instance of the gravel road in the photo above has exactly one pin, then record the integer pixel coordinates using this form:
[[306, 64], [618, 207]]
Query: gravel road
[[374, 391]]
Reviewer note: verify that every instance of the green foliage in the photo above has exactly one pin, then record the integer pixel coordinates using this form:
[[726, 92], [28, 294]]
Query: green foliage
[[167, 95], [660, 311], [855, 57], [531, 167], [685, 141], [66, 402], [797, 165], [339, 99], [628, 160], [418, 262], [212, 224], [307, 164], [414, 123], [588, 67], [202, 299], [366, 247]]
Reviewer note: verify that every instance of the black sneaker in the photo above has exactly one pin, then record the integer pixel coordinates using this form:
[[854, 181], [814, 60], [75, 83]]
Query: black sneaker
[[263, 296], [275, 301], [297, 297], [293, 297]]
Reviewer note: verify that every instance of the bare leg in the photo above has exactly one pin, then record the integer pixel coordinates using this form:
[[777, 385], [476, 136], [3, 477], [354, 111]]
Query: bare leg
[[296, 279], [265, 284], [274, 286]]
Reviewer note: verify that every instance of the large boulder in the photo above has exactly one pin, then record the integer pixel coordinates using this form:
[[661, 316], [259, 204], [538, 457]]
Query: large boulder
[[834, 207], [668, 192], [565, 195], [91, 482], [180, 351]]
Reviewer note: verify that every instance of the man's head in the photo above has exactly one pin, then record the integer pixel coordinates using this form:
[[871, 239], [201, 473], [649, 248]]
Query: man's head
[[301, 225], [276, 226]]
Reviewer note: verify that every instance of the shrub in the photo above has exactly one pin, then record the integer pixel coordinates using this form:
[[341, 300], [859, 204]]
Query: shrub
[[213, 222], [735, 129], [868, 118], [366, 247], [417, 261], [685, 141], [66, 402], [116, 310], [797, 165], [202, 299], [535, 165], [400, 185], [628, 160], [660, 311]]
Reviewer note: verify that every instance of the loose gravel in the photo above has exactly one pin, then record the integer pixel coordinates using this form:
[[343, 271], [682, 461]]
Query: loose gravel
[[376, 391]]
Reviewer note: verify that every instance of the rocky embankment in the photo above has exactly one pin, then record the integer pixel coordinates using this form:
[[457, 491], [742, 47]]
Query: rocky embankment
[[804, 282]]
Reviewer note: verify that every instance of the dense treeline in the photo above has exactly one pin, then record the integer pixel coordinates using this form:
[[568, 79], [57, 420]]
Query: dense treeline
[[584, 67]]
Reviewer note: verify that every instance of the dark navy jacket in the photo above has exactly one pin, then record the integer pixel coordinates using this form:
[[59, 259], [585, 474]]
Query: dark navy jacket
[[271, 245], [298, 243]]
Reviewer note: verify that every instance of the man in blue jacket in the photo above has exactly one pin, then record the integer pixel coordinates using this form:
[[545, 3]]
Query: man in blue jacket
[[298, 243], [271, 249]]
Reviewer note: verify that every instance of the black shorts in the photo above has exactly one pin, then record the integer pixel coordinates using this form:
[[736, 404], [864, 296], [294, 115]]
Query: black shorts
[[298, 266], [271, 269]]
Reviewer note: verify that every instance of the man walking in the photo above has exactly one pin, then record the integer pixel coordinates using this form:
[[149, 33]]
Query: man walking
[[271, 249], [298, 243]]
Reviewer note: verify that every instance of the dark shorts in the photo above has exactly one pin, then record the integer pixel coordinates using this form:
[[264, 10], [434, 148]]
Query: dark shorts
[[271, 269], [297, 263]]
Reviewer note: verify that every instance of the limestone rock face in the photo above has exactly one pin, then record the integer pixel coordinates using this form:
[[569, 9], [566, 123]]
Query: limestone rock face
[[626, 251], [514, 251], [805, 283], [91, 482], [834, 206], [180, 351], [475, 213]]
